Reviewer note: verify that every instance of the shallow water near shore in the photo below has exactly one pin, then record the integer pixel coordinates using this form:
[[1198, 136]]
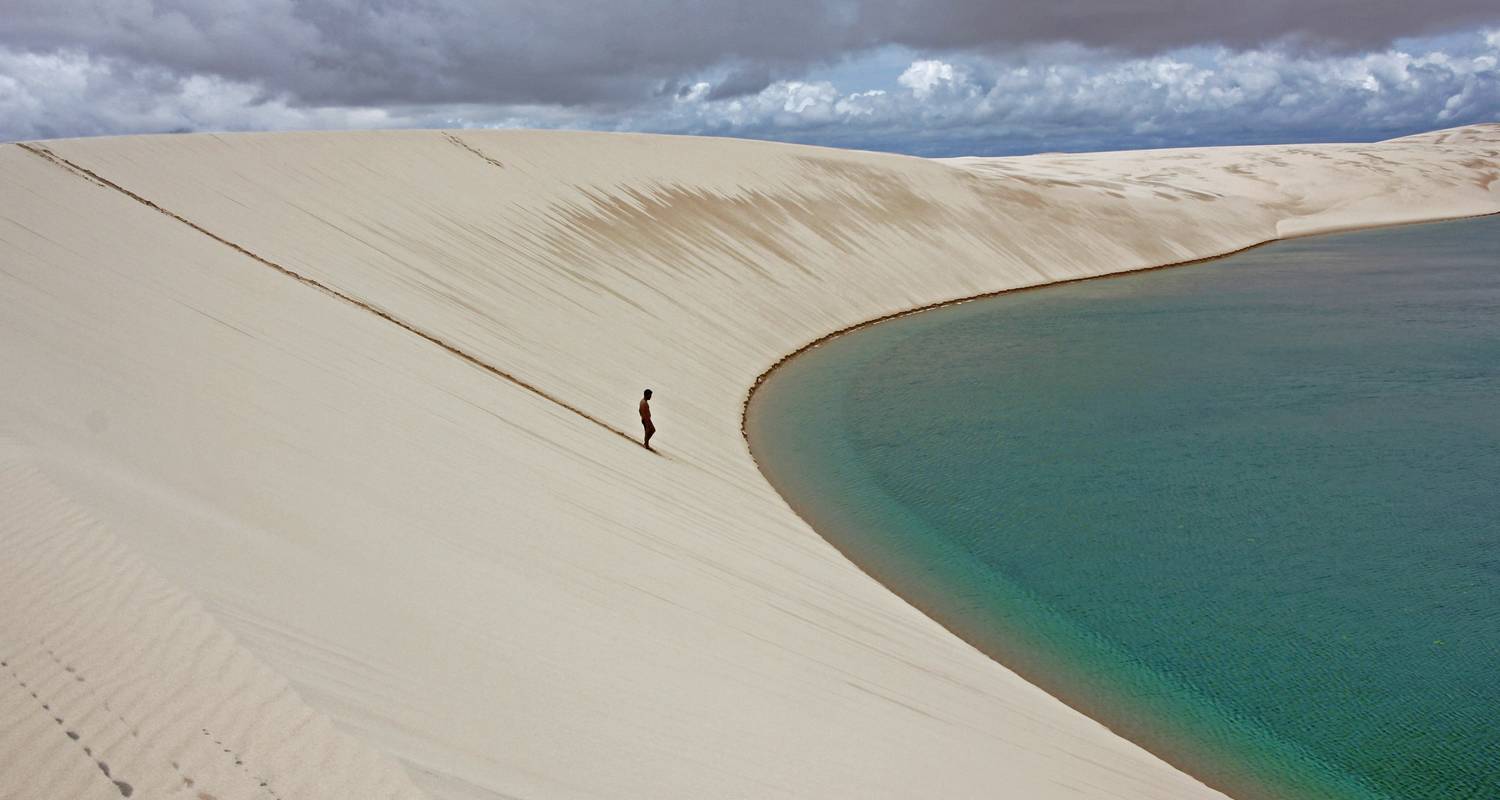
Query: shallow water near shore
[[1244, 513]]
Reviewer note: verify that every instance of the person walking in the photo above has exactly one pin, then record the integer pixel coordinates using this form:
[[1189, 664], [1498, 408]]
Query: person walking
[[646, 419]]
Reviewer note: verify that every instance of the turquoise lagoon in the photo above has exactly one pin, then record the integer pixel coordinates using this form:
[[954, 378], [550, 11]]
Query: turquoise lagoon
[[1246, 513]]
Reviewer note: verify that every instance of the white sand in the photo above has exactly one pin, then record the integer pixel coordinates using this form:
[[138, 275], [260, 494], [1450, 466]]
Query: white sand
[[236, 502]]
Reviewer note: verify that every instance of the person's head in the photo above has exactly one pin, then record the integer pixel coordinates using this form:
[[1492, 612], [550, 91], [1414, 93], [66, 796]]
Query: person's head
[[648, 394]]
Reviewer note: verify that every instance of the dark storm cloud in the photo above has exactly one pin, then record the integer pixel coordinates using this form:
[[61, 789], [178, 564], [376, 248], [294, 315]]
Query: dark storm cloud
[[1144, 26], [615, 52], [741, 82]]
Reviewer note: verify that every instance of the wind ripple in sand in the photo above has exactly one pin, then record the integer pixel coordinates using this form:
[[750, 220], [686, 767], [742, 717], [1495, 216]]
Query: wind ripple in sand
[[114, 683]]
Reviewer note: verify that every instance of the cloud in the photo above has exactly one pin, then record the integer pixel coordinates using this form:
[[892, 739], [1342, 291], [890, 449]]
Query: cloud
[[618, 52], [71, 93], [1131, 73], [740, 82], [1191, 96], [928, 76]]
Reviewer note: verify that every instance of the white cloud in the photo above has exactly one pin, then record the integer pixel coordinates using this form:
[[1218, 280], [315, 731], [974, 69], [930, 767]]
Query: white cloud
[[805, 100], [861, 104], [695, 93], [928, 76]]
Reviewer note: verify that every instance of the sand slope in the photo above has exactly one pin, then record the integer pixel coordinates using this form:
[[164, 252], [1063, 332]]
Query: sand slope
[[361, 395], [116, 684]]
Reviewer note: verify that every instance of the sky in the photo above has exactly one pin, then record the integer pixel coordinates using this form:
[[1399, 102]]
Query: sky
[[938, 77]]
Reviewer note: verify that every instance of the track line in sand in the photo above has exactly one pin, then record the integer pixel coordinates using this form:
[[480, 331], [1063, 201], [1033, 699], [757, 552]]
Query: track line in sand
[[472, 149], [84, 172]]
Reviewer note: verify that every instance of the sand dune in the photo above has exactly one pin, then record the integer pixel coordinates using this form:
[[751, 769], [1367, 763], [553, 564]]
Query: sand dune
[[364, 397]]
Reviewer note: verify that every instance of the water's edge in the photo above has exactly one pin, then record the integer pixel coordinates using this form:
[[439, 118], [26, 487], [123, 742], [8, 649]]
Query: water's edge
[[951, 627]]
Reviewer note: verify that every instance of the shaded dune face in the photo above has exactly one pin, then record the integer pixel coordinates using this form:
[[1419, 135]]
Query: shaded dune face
[[362, 402]]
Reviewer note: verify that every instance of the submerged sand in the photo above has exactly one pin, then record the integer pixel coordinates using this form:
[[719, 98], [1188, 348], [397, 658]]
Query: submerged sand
[[314, 479]]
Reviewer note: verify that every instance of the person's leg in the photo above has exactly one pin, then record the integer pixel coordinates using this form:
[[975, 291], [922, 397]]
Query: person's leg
[[650, 429]]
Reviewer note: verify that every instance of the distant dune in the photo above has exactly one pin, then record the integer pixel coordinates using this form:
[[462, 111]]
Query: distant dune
[[315, 480]]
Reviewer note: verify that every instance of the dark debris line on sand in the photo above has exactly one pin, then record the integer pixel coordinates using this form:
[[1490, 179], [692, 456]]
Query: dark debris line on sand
[[43, 152]]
